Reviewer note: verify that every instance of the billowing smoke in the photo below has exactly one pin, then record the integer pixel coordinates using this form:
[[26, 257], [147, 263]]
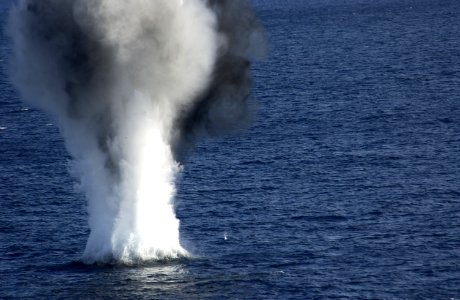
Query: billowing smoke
[[133, 84]]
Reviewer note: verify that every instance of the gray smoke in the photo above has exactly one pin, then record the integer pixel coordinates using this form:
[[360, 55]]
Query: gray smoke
[[223, 104], [119, 74]]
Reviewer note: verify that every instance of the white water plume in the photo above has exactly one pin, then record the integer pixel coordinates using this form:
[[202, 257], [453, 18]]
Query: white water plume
[[133, 84]]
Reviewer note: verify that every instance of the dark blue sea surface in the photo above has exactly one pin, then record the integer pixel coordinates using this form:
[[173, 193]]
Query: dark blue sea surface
[[346, 185]]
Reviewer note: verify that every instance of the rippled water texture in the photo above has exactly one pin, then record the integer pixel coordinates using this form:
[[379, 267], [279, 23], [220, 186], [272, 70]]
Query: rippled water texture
[[347, 185]]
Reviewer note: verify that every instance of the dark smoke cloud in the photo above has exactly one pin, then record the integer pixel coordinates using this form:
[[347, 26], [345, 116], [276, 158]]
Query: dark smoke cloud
[[225, 104], [80, 65]]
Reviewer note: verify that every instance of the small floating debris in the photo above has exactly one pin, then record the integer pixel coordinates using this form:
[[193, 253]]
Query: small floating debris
[[3, 128], [24, 109]]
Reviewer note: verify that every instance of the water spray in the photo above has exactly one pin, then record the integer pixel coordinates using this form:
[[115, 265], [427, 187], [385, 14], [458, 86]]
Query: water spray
[[133, 85]]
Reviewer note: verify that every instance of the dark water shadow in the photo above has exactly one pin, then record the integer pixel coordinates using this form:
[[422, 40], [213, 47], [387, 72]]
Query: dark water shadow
[[80, 266]]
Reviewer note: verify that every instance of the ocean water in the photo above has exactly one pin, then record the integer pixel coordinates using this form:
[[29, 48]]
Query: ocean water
[[345, 186]]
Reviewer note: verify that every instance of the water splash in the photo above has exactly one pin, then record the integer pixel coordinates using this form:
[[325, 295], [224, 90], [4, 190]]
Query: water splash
[[133, 84]]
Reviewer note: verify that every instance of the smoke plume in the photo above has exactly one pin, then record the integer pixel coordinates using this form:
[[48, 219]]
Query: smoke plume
[[133, 84]]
